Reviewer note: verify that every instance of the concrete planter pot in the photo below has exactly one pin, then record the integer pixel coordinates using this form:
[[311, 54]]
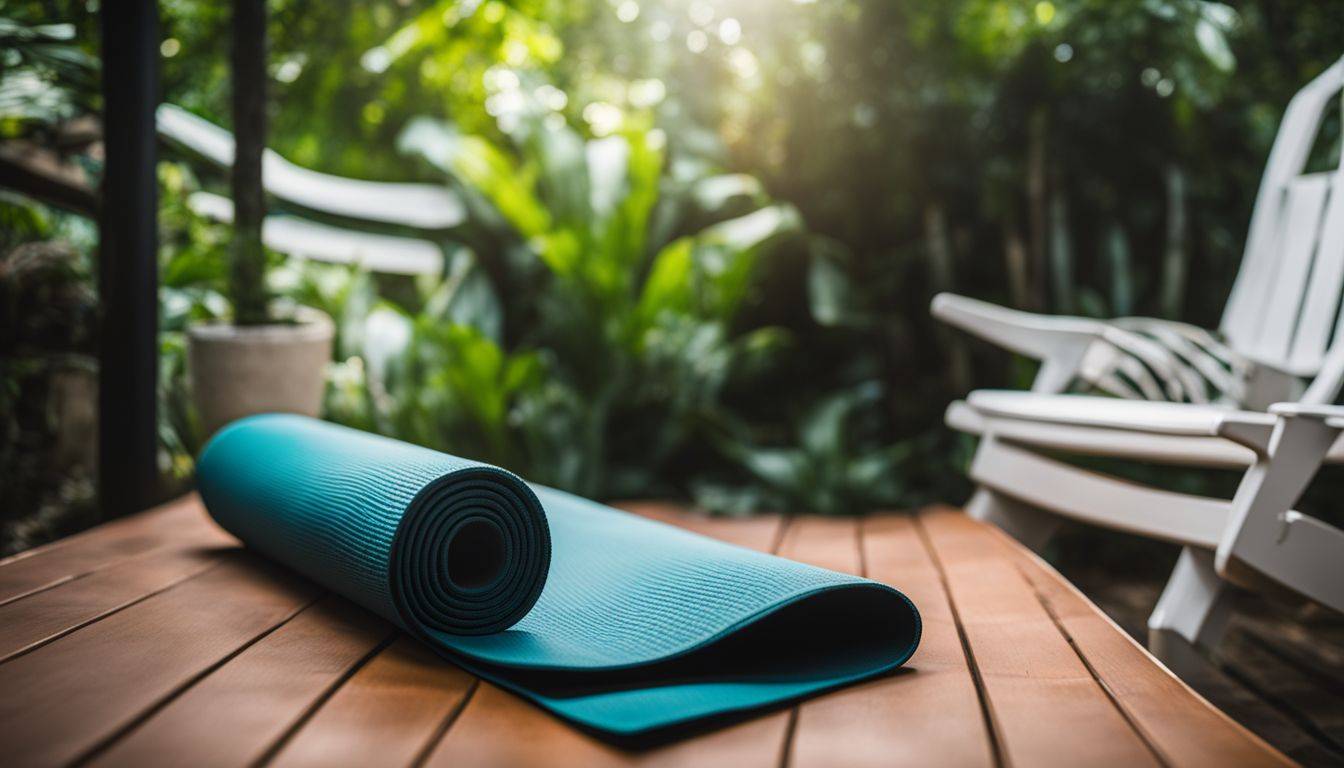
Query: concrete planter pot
[[238, 371]]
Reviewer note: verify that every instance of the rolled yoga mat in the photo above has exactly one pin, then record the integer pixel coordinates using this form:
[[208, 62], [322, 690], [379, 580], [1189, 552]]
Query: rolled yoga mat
[[635, 630]]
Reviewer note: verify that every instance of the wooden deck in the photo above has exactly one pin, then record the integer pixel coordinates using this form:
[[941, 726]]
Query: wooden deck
[[157, 640]]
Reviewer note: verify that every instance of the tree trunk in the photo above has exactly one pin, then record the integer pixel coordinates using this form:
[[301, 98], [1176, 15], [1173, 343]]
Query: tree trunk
[[1174, 260], [1015, 262], [1122, 270], [247, 273], [1061, 252], [1036, 210], [940, 272]]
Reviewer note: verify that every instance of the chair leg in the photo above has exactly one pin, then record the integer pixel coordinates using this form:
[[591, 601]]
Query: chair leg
[[1032, 526], [1192, 612]]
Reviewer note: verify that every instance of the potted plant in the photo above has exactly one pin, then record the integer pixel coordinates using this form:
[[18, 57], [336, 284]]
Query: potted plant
[[261, 362]]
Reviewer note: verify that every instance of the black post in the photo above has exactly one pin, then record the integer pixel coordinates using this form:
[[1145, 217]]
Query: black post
[[128, 261], [247, 273]]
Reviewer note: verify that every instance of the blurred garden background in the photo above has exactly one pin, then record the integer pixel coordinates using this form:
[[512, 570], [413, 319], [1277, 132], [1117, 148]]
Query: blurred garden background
[[700, 236]]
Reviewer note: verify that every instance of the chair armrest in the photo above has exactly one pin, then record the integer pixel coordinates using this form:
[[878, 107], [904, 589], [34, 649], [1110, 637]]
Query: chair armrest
[[1026, 333], [1249, 428], [1330, 415], [1058, 342]]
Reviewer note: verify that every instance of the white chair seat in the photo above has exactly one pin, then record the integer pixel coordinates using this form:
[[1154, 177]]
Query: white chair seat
[[1180, 450], [1168, 433], [1112, 413]]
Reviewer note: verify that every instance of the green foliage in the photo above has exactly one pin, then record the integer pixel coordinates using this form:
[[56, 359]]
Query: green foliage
[[618, 361], [703, 233], [45, 77], [823, 469]]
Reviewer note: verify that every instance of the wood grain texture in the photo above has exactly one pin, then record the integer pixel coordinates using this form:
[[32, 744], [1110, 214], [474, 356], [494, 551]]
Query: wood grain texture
[[236, 714], [928, 714], [497, 728], [388, 713], [826, 542], [761, 532], [1182, 727], [64, 699], [36, 619], [500, 730], [1046, 706], [157, 645], [84, 553]]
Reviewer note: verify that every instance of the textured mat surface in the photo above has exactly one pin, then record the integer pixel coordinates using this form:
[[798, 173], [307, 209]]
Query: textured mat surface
[[630, 628]]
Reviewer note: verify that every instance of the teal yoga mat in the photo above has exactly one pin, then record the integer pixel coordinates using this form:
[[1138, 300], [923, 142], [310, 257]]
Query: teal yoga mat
[[635, 630]]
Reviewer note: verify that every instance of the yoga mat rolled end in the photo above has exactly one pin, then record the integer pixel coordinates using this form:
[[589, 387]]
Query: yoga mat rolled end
[[431, 542], [472, 553]]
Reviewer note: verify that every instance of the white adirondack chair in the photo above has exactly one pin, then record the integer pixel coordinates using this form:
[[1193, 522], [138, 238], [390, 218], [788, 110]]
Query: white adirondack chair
[[1257, 396], [424, 207]]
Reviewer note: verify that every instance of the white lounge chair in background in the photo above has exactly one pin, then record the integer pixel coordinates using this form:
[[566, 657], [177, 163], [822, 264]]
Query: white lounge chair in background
[[297, 236], [1255, 397], [423, 207]]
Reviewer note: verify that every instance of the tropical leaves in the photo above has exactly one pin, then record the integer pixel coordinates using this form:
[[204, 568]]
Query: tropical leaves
[[633, 333], [45, 77]]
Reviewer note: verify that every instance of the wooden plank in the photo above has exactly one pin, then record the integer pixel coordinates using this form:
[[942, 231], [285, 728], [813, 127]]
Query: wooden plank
[[1046, 707], [928, 715], [826, 542], [237, 714], [1181, 726], [496, 728], [42, 617], [760, 532], [65, 699], [1127, 599], [499, 729], [226, 665], [104, 545], [388, 713]]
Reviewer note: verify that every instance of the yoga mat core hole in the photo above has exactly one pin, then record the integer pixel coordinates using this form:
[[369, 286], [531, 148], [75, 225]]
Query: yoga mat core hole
[[475, 555]]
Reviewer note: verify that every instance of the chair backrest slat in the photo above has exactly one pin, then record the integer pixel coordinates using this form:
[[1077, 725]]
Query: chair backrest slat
[[1278, 292], [1295, 244], [1323, 292]]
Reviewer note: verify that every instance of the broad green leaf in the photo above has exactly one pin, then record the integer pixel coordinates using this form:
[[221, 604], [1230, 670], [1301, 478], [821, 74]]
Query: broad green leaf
[[467, 297], [713, 193], [669, 286], [483, 166], [822, 430], [725, 255], [644, 169], [1213, 43], [832, 296], [561, 250], [608, 159], [777, 466], [754, 229], [563, 179]]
